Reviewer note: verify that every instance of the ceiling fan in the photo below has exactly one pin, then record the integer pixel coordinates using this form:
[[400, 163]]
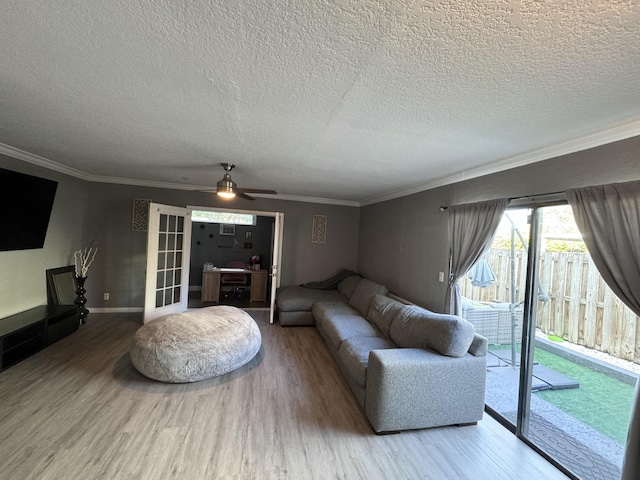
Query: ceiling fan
[[227, 188]]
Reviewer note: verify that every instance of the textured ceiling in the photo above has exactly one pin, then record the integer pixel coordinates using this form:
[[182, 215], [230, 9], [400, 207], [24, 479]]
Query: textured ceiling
[[347, 100]]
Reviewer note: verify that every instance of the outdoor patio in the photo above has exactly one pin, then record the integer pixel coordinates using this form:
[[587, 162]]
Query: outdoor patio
[[580, 445], [586, 362]]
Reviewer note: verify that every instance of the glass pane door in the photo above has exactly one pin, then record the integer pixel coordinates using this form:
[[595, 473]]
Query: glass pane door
[[494, 302], [578, 396], [168, 254], [561, 362]]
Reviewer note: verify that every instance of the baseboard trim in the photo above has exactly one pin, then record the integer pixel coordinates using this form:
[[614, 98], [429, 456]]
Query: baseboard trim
[[140, 309], [116, 310]]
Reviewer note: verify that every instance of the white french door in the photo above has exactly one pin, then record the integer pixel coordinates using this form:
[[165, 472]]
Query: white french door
[[168, 253], [277, 258]]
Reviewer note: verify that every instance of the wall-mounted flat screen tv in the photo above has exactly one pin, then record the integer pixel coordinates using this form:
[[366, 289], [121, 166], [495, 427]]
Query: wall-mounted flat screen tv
[[25, 207]]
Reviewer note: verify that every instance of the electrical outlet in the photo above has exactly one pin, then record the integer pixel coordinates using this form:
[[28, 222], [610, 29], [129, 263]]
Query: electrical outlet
[[441, 276], [106, 296]]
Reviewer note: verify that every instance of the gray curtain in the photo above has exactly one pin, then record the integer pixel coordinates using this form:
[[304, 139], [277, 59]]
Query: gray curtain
[[471, 230], [608, 217]]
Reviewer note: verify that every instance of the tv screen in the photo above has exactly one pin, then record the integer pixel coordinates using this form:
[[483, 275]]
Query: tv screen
[[25, 208]]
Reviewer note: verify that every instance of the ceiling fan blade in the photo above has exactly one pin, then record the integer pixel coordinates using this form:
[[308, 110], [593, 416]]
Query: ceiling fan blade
[[243, 195], [257, 190]]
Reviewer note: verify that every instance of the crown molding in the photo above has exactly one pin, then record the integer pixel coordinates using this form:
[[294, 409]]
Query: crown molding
[[147, 183], [32, 158], [298, 198], [621, 131]]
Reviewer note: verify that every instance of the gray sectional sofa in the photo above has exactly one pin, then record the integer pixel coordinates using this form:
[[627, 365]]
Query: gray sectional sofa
[[409, 368]]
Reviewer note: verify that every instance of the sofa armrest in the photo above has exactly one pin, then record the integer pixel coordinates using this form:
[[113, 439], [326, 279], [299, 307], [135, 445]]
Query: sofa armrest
[[410, 388]]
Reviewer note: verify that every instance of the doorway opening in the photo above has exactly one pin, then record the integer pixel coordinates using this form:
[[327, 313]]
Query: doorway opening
[[246, 242], [168, 269]]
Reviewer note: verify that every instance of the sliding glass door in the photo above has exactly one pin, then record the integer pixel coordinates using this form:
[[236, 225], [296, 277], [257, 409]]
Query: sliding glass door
[[496, 309], [559, 373]]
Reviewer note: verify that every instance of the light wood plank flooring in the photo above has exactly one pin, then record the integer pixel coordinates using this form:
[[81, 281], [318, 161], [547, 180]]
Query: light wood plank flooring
[[79, 410]]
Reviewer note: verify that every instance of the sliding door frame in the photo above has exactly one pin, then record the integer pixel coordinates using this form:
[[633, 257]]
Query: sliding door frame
[[528, 327], [521, 428]]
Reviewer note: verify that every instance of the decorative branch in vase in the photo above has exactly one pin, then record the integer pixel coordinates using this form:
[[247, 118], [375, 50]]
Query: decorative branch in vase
[[82, 261]]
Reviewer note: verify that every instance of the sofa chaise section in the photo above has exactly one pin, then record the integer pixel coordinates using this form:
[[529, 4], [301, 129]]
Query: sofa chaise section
[[295, 302]]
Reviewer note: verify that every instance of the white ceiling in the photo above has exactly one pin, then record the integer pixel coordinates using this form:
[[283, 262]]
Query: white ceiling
[[347, 100]]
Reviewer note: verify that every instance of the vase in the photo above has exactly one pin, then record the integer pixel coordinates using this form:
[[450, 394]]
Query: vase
[[81, 300]]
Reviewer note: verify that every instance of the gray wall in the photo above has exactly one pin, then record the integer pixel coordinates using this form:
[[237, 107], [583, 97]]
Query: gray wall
[[404, 242], [22, 272], [120, 265]]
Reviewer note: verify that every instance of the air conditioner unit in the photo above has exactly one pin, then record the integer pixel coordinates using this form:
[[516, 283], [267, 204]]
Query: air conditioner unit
[[227, 229]]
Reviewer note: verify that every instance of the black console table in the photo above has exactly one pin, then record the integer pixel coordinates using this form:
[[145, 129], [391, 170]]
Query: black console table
[[28, 332]]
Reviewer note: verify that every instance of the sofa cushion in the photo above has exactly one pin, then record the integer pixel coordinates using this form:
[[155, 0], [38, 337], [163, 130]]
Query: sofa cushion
[[295, 298], [363, 294], [354, 355], [416, 327], [338, 328], [382, 311], [323, 310], [348, 285]]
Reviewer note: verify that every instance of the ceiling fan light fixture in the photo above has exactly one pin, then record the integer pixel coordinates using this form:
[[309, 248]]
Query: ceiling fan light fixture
[[226, 188], [225, 194]]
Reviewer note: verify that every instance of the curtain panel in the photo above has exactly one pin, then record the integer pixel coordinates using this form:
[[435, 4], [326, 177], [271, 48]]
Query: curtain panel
[[471, 231], [608, 217]]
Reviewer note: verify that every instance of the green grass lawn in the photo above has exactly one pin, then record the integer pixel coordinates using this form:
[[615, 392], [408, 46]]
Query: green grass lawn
[[602, 402]]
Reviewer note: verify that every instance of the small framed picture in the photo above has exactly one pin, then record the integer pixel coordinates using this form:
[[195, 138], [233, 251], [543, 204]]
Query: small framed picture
[[248, 245], [247, 235]]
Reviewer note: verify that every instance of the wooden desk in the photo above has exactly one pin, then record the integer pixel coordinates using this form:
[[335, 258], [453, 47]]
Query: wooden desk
[[211, 284]]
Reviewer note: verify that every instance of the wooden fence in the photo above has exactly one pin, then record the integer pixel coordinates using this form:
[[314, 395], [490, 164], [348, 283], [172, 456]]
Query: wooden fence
[[580, 307]]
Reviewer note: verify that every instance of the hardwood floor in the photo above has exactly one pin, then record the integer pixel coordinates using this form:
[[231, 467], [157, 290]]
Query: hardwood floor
[[80, 410]]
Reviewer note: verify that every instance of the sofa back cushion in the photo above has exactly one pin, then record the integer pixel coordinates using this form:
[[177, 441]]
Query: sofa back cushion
[[415, 327], [382, 310], [364, 292], [348, 285]]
